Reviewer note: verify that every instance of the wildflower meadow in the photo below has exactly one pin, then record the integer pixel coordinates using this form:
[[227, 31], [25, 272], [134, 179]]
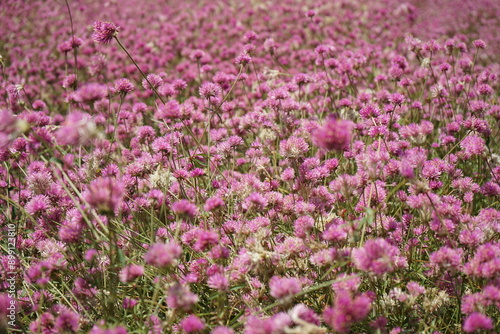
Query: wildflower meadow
[[253, 166]]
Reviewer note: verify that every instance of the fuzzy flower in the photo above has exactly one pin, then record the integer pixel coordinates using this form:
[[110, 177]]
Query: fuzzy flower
[[104, 194], [153, 82], [485, 263], [347, 311], [184, 207], [123, 87], [90, 93], [162, 255], [210, 90], [180, 297], [192, 324], [213, 203], [222, 330], [334, 135], [104, 32], [446, 258], [131, 272], [77, 129], [477, 321], [67, 322], [219, 282], [284, 287], [471, 145], [378, 256], [293, 147], [38, 205], [243, 59]]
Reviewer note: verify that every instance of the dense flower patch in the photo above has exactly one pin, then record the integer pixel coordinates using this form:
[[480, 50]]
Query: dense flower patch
[[252, 167]]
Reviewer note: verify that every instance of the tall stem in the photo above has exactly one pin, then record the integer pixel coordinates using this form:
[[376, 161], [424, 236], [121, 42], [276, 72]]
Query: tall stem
[[137, 66], [73, 37]]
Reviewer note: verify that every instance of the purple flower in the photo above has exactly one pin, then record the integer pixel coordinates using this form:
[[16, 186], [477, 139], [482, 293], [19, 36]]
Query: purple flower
[[485, 263], [163, 255], [243, 59], [77, 129], [446, 258], [213, 203], [67, 322], [293, 147], [153, 82], [210, 90], [105, 194], [131, 272], [334, 135], [191, 324], [123, 87], [104, 32], [219, 282], [476, 321], [90, 93], [222, 330], [180, 297], [378, 256], [346, 311], [283, 287], [184, 207]]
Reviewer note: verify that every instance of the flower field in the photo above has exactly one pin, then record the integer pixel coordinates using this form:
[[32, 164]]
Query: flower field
[[256, 167]]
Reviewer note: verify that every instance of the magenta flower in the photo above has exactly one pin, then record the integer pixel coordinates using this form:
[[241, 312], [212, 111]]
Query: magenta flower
[[104, 32], [67, 322], [184, 207], [191, 324], [378, 256], [131, 272], [180, 297], [477, 321], [105, 194], [334, 135], [219, 282], [163, 255], [123, 87], [347, 311], [210, 90], [283, 287]]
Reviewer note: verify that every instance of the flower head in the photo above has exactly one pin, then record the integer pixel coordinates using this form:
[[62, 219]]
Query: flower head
[[477, 321], [163, 255], [334, 135], [378, 256], [104, 32]]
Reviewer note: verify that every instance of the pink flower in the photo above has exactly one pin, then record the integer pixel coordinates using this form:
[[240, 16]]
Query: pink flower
[[378, 256], [334, 135], [184, 207], [283, 287], [105, 194], [163, 255], [346, 311], [131, 272], [293, 147], [104, 32], [191, 324], [477, 321], [219, 282], [180, 297]]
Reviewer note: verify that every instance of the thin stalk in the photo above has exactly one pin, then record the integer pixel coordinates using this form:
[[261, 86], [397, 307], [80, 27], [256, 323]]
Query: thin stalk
[[73, 36], [137, 66]]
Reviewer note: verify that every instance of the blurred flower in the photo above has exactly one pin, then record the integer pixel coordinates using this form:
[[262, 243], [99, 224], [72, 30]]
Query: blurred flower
[[334, 135]]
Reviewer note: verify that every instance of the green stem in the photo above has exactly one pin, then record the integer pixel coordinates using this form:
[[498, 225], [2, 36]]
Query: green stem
[[137, 66]]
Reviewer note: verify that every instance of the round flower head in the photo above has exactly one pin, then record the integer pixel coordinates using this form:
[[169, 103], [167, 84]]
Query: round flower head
[[104, 32], [334, 135]]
